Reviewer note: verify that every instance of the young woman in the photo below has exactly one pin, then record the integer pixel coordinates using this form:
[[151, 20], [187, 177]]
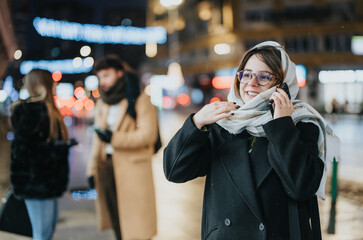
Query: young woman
[[262, 170], [39, 157]]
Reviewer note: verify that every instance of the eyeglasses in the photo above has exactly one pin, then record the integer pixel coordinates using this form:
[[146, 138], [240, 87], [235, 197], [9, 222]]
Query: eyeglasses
[[263, 78]]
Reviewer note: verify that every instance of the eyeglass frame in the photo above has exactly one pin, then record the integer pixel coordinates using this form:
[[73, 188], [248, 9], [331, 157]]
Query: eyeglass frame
[[256, 75]]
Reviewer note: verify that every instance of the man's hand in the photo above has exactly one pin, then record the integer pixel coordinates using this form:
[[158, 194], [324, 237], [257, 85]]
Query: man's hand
[[104, 135]]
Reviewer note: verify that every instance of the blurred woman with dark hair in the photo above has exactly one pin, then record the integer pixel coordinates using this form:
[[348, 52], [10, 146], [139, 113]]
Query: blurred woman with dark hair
[[39, 156]]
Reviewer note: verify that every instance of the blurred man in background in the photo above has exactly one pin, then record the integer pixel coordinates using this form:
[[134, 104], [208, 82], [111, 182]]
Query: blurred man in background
[[120, 166]]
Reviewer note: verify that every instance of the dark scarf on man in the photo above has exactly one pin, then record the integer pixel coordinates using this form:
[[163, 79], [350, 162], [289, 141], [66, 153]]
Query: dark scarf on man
[[127, 86]]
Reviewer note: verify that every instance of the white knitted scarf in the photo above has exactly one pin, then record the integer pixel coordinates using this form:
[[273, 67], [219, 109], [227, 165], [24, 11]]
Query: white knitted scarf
[[255, 113]]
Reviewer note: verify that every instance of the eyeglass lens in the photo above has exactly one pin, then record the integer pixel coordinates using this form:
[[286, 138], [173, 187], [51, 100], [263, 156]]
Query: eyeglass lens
[[263, 78]]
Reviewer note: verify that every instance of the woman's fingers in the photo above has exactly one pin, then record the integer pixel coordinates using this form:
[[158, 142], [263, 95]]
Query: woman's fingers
[[223, 115], [283, 93], [283, 105], [277, 100], [281, 97], [213, 112], [224, 107]]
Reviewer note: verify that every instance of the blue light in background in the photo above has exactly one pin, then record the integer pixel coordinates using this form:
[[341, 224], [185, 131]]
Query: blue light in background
[[10, 136], [24, 94], [65, 66], [224, 72], [97, 33], [65, 90], [85, 194], [8, 85], [91, 82]]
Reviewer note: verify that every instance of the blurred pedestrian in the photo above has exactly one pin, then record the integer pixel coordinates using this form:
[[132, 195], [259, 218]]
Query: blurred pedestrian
[[334, 110], [263, 167], [120, 167], [39, 156]]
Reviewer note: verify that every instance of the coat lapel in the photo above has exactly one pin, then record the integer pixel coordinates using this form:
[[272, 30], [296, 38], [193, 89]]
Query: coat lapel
[[259, 161], [234, 157]]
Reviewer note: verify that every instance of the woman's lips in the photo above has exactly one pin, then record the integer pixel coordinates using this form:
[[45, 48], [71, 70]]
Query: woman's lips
[[252, 93]]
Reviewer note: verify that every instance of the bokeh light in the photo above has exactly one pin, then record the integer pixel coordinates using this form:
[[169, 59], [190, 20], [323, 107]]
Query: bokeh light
[[214, 99], [79, 93], [85, 51], [89, 104], [223, 82], [96, 93], [17, 54], [183, 99], [77, 62], [78, 105], [57, 76]]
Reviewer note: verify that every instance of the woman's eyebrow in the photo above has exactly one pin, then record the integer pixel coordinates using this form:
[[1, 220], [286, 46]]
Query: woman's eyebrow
[[258, 71]]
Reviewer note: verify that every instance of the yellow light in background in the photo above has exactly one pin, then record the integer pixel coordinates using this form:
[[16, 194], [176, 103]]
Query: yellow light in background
[[180, 23], [171, 3], [85, 51], [88, 61], [17, 54], [222, 48], [77, 62], [227, 16], [204, 10], [151, 49], [176, 79], [158, 8]]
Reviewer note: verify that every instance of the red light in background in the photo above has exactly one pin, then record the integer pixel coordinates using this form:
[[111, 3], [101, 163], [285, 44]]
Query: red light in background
[[302, 82], [89, 104], [183, 99], [167, 102], [222, 82], [214, 99], [96, 93], [79, 93], [78, 105], [69, 102], [57, 76]]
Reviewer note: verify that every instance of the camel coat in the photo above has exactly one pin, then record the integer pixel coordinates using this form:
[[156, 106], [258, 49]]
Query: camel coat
[[133, 143]]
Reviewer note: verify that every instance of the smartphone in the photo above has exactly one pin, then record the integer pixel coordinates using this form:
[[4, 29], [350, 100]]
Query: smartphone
[[286, 89]]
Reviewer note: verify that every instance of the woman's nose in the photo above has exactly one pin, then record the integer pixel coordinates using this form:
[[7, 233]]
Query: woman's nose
[[253, 81]]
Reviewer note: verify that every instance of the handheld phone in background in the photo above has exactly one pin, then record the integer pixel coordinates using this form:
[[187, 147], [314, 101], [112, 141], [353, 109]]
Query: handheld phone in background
[[270, 105]]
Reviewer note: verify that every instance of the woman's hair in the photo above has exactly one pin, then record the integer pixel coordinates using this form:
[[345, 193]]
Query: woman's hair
[[271, 56], [39, 83]]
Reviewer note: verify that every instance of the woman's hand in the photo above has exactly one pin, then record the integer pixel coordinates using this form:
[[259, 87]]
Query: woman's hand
[[213, 112], [283, 105]]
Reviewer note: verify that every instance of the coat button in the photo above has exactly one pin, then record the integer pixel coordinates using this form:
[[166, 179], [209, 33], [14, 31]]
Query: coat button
[[261, 227], [227, 222]]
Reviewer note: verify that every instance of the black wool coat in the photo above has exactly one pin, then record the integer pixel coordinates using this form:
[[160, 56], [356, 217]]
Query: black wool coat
[[39, 168], [246, 195]]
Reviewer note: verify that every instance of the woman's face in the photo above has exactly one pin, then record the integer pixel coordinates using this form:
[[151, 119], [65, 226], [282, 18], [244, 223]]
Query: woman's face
[[251, 89]]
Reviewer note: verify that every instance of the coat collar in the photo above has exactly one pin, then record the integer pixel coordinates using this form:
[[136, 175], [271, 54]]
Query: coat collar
[[235, 160]]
